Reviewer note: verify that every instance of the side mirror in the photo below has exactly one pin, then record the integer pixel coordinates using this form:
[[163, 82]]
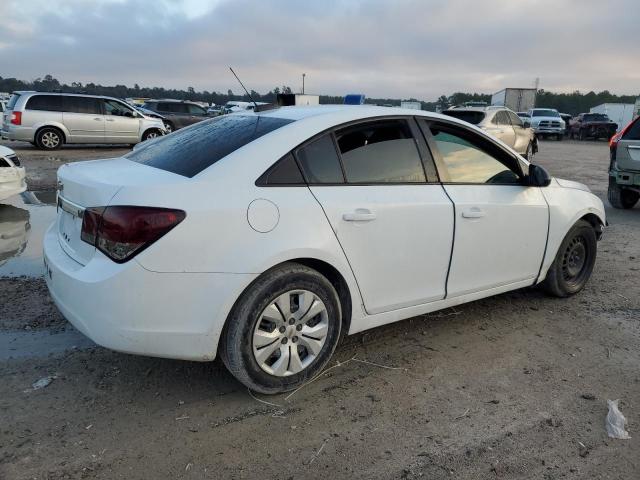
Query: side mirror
[[538, 176], [527, 124]]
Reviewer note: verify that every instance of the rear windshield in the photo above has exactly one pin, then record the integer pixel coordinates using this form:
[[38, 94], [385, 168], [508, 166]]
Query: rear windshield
[[545, 113], [595, 117], [633, 132], [470, 116], [191, 150], [12, 101]]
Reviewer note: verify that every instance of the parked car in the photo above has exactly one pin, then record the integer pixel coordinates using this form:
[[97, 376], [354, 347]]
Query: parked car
[[177, 113], [624, 167], [262, 237], [524, 116], [566, 118], [592, 125], [49, 120], [546, 122], [503, 124], [12, 176]]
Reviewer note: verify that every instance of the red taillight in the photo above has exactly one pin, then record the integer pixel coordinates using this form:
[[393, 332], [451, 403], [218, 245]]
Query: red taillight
[[122, 232], [16, 118], [613, 143]]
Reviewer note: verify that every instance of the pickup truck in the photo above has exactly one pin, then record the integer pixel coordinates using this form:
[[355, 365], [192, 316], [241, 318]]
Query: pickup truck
[[592, 125], [546, 122]]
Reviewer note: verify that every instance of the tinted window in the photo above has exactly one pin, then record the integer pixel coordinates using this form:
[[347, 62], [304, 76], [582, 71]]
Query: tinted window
[[595, 117], [81, 105], [633, 132], [467, 163], [284, 172], [111, 107], [501, 118], [319, 161], [471, 116], [51, 103], [12, 101], [545, 113], [195, 109], [191, 150], [515, 119], [167, 107], [380, 152]]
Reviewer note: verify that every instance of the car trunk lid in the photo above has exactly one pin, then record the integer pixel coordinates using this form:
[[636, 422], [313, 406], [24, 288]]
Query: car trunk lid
[[94, 184]]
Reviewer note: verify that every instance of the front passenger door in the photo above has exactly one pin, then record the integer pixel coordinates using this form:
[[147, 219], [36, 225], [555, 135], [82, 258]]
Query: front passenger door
[[501, 224], [122, 124]]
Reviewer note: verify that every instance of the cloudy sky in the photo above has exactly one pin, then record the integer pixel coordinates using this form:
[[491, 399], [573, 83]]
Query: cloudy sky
[[384, 48]]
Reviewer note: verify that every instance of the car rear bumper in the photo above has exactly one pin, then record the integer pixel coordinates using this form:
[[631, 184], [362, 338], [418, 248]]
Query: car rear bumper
[[127, 308], [623, 177], [16, 132]]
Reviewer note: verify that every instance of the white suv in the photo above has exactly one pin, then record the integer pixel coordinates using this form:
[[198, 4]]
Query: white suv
[[49, 120]]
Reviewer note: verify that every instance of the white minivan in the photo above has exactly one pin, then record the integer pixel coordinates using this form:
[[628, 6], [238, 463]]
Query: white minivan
[[49, 120]]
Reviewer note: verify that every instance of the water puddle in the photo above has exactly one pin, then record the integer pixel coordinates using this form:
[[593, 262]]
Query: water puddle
[[19, 344], [23, 220]]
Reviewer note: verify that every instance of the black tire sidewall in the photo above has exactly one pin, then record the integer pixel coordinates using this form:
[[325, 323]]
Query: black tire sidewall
[[586, 230], [238, 334]]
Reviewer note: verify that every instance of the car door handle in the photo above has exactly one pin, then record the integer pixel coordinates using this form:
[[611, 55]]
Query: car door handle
[[473, 212], [360, 215], [633, 147]]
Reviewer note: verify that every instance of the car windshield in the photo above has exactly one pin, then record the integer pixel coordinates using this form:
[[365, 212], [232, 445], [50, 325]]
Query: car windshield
[[190, 150], [595, 117], [545, 113], [471, 116]]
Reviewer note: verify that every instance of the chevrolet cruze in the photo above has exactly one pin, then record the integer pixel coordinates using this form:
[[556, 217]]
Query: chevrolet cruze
[[264, 236]]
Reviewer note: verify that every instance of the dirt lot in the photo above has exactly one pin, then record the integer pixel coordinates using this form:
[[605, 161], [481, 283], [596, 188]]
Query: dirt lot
[[513, 386]]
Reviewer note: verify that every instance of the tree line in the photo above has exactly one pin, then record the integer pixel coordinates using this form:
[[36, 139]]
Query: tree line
[[572, 103]]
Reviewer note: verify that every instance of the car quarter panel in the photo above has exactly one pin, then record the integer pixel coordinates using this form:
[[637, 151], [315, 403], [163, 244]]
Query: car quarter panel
[[566, 207]]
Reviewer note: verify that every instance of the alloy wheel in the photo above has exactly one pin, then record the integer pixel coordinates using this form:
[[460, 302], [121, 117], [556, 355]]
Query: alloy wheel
[[50, 139], [290, 333]]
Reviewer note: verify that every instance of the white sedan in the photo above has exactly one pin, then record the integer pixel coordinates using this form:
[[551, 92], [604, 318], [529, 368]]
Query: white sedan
[[264, 236], [12, 175]]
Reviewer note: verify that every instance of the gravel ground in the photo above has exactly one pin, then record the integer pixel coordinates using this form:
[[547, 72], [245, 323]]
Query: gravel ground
[[513, 386]]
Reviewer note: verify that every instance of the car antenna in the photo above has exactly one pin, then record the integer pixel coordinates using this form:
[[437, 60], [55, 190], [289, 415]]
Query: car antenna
[[256, 107]]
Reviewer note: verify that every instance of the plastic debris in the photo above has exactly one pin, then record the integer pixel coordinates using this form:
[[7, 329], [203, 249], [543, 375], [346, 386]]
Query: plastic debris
[[616, 422], [42, 383]]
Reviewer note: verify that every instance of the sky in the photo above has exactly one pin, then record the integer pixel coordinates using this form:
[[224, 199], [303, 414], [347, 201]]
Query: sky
[[383, 48]]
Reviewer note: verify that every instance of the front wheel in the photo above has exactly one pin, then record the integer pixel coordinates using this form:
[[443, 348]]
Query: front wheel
[[152, 133], [283, 329], [572, 267]]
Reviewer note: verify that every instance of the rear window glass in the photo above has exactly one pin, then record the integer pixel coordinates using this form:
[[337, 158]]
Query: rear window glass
[[470, 116], [633, 132], [191, 150], [12, 101], [50, 103], [87, 105]]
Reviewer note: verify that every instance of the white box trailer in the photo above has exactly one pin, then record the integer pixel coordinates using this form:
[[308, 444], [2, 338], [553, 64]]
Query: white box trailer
[[517, 99], [621, 113], [411, 105], [290, 99]]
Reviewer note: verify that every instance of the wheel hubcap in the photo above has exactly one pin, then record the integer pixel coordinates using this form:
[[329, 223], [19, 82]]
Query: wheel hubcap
[[290, 333], [574, 259], [50, 139]]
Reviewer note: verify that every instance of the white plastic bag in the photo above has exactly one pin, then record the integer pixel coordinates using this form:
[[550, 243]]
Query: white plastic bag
[[616, 422]]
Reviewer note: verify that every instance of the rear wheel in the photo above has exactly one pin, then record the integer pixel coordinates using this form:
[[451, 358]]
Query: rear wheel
[[283, 329], [582, 135], [620, 197], [574, 261], [49, 138], [529, 153]]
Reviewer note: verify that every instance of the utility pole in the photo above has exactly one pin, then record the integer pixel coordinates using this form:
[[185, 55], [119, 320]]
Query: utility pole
[[303, 75]]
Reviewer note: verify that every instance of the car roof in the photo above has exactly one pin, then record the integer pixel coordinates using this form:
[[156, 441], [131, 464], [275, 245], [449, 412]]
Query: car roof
[[67, 94], [336, 113]]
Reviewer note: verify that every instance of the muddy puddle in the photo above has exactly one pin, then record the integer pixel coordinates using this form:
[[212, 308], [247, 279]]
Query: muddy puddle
[[24, 219]]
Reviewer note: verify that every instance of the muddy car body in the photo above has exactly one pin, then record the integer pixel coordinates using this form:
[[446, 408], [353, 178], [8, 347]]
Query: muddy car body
[[592, 125]]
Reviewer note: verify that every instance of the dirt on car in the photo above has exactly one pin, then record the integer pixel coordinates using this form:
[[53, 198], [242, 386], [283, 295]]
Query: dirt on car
[[513, 386]]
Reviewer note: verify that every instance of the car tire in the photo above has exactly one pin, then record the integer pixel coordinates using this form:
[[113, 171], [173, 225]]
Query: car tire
[[49, 138], [559, 137], [151, 133], [620, 197], [168, 126], [572, 267], [582, 135], [258, 339]]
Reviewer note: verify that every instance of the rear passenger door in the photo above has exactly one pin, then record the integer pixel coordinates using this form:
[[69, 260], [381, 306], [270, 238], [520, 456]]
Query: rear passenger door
[[394, 223], [83, 118]]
